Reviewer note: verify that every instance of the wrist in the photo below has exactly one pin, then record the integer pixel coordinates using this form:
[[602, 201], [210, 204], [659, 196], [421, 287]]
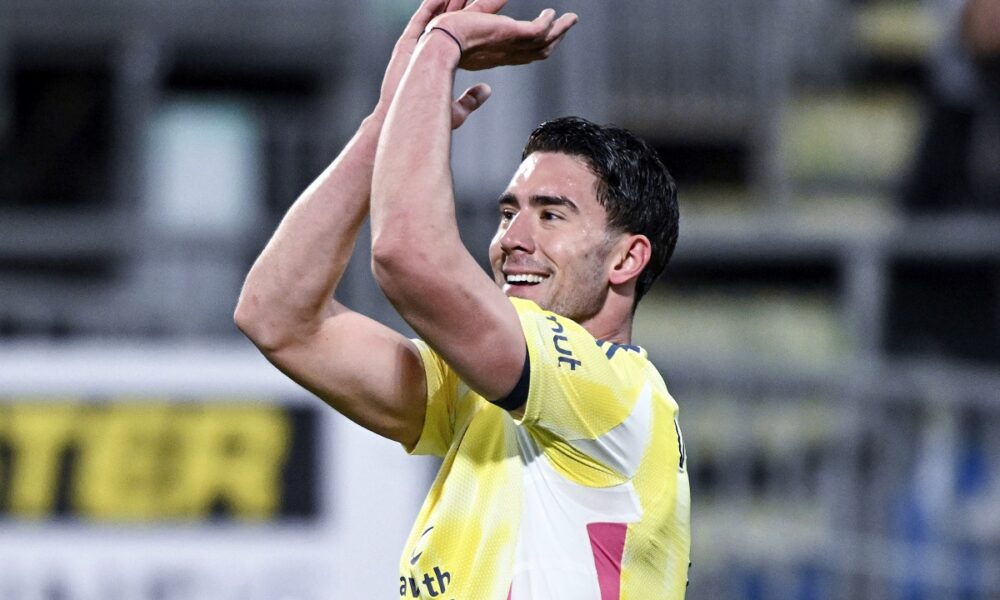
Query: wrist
[[441, 46], [446, 31]]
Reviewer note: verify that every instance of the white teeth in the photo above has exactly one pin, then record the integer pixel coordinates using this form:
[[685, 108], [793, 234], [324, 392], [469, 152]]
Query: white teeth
[[525, 278]]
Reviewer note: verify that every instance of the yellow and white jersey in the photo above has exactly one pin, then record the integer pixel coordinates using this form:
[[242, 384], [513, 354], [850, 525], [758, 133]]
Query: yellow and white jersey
[[586, 497]]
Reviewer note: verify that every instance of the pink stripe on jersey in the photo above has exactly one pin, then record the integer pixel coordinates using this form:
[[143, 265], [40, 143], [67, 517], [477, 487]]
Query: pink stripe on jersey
[[607, 541]]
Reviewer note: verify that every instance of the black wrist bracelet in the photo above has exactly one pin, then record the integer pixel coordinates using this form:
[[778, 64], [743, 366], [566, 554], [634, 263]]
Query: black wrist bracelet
[[461, 50]]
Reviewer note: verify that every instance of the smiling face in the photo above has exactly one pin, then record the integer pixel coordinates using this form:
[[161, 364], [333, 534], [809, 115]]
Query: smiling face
[[552, 245]]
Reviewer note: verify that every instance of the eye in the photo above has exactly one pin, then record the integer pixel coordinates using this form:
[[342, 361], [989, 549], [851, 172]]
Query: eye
[[548, 215], [506, 214]]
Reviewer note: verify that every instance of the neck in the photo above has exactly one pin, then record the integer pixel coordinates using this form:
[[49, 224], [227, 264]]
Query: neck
[[613, 323], [616, 335]]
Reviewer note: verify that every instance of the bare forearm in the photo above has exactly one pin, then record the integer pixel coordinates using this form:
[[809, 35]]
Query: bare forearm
[[289, 289], [412, 187], [419, 260], [418, 257]]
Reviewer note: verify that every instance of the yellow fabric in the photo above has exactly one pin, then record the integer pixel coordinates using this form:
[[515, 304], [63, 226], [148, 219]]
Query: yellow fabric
[[584, 413]]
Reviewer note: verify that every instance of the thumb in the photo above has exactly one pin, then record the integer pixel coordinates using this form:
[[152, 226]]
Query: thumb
[[468, 102]]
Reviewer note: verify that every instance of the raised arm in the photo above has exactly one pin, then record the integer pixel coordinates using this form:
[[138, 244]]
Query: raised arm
[[418, 257], [368, 372]]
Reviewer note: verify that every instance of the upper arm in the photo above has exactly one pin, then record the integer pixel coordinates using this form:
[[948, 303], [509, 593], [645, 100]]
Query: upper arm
[[365, 370], [459, 311]]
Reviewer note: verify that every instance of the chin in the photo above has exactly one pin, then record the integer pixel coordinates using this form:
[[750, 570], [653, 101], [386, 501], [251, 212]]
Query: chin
[[526, 295]]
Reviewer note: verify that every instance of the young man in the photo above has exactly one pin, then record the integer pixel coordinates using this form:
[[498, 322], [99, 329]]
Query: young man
[[563, 472]]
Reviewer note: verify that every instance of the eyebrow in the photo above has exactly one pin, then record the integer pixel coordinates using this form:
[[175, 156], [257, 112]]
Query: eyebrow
[[509, 199]]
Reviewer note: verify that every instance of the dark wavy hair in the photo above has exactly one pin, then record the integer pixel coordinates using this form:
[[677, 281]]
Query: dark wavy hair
[[636, 190]]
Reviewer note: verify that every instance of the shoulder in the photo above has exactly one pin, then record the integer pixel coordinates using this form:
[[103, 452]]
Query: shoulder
[[569, 344]]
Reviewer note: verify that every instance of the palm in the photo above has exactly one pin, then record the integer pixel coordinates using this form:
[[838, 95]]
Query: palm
[[490, 40]]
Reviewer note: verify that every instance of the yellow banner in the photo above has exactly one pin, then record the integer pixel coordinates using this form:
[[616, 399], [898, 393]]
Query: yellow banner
[[142, 460]]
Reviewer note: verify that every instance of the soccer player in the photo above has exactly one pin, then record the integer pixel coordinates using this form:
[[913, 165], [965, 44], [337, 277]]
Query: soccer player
[[563, 469]]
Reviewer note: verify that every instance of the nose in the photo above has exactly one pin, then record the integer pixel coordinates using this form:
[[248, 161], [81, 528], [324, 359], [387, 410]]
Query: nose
[[518, 235]]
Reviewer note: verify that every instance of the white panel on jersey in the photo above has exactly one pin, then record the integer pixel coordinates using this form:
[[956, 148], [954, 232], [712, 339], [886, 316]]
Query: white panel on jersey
[[622, 448], [553, 558]]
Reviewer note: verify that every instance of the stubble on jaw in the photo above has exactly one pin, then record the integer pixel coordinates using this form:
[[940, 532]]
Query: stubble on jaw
[[588, 286]]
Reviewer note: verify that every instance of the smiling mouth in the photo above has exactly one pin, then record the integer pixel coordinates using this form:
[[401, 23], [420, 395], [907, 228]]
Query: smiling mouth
[[525, 279]]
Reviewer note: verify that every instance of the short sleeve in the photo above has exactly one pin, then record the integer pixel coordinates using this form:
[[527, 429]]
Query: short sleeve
[[439, 417], [588, 408]]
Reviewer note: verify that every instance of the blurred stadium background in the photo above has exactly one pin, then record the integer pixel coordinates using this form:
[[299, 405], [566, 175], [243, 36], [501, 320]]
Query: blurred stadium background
[[830, 324]]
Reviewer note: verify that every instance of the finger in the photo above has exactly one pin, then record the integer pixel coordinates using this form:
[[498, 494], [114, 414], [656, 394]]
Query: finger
[[427, 11], [544, 21], [486, 6], [546, 28], [468, 102], [551, 47], [561, 26], [534, 33], [538, 52], [453, 5]]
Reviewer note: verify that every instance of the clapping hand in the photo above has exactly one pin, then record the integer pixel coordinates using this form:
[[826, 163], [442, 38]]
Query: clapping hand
[[487, 39], [491, 40]]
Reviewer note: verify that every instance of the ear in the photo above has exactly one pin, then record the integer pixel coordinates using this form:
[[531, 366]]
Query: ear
[[631, 255]]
